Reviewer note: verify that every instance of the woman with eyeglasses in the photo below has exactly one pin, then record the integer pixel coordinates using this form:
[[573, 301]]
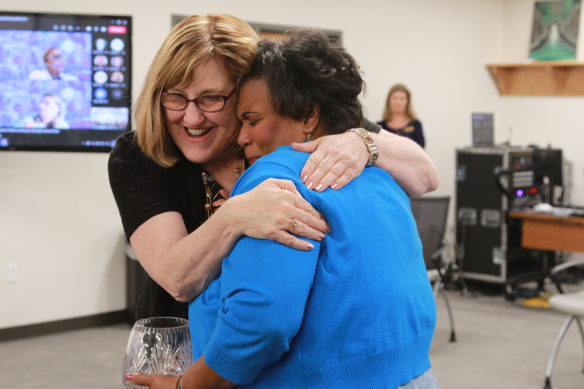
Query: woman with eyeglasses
[[172, 177]]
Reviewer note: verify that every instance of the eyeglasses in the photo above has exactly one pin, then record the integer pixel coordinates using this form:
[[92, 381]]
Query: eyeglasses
[[206, 103]]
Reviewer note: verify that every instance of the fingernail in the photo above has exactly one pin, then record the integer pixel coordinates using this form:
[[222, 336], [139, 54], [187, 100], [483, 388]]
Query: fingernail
[[305, 178], [129, 376], [309, 186], [334, 186], [309, 245], [319, 186], [321, 236]]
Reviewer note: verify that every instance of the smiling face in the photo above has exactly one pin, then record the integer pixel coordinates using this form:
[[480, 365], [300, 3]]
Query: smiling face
[[201, 136], [398, 101], [263, 130]]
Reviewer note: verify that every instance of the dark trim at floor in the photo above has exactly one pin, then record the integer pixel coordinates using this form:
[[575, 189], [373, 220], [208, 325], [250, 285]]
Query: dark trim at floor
[[52, 327]]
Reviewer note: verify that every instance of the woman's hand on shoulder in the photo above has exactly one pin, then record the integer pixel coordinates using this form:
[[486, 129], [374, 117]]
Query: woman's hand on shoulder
[[334, 161], [275, 210]]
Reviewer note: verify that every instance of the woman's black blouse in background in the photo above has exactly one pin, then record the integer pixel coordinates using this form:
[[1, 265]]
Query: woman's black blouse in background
[[412, 130]]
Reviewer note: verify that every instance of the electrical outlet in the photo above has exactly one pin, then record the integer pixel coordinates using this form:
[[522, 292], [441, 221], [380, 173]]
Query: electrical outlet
[[12, 272]]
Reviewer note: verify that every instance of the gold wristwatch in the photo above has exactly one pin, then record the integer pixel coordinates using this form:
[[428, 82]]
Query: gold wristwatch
[[369, 142]]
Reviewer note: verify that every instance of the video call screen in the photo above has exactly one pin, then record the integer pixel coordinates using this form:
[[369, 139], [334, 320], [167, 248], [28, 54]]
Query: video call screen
[[65, 81]]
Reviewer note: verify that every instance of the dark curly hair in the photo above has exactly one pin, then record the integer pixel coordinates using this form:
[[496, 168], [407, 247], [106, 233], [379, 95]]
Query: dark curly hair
[[307, 71]]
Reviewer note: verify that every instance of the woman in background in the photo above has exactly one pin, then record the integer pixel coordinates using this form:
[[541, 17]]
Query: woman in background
[[399, 116]]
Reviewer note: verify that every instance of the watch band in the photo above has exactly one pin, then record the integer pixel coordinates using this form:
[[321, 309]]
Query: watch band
[[369, 142]]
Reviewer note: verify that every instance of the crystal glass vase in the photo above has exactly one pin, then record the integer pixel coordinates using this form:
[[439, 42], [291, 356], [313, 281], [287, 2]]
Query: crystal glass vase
[[158, 345]]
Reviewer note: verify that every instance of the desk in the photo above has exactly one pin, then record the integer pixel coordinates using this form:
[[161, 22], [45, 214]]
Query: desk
[[549, 232]]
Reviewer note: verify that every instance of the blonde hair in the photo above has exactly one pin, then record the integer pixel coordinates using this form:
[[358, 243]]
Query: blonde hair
[[192, 42], [59, 121], [387, 114]]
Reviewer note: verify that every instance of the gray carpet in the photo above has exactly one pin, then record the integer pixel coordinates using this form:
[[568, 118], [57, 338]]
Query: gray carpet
[[501, 345]]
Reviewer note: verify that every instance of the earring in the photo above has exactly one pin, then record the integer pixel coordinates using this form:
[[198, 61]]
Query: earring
[[308, 136]]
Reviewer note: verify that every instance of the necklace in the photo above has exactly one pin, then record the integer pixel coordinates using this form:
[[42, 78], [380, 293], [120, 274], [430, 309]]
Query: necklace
[[208, 193], [215, 195]]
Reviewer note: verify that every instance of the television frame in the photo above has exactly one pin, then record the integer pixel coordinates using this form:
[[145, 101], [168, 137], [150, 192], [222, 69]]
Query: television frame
[[85, 137]]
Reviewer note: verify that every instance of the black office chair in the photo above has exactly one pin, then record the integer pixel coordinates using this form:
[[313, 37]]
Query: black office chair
[[431, 214]]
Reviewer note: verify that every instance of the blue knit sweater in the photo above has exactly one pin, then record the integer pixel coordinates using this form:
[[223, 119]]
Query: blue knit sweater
[[357, 311]]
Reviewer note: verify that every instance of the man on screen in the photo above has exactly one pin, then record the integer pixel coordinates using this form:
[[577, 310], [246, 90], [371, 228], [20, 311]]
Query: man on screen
[[55, 67]]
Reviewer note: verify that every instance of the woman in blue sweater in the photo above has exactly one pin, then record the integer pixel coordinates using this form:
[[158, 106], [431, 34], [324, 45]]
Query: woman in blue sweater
[[355, 312]]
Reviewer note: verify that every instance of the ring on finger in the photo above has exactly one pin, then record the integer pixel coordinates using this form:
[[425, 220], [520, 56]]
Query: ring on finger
[[292, 225]]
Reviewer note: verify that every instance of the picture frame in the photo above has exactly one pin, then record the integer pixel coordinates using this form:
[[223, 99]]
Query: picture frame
[[554, 34]]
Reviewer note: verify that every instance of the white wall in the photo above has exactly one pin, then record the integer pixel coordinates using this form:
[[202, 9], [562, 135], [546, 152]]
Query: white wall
[[543, 120], [58, 219], [59, 225]]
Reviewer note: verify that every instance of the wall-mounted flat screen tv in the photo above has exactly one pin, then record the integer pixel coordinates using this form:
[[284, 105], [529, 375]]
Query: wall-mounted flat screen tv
[[65, 81]]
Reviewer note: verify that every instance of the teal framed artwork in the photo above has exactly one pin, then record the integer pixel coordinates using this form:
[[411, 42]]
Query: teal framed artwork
[[554, 35]]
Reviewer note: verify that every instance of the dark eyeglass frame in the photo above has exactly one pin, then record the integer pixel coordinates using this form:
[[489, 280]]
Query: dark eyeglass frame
[[196, 101]]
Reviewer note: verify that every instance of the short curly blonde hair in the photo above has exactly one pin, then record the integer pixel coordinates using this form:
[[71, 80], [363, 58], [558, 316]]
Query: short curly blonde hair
[[193, 41]]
